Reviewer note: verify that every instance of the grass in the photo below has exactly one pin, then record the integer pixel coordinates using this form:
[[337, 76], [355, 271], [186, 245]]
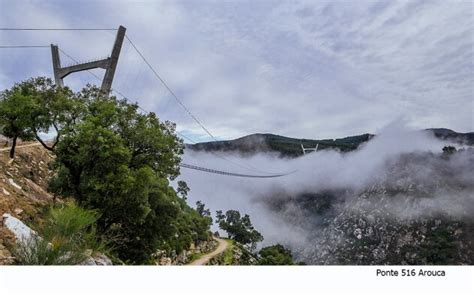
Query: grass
[[38, 251], [66, 234], [228, 255]]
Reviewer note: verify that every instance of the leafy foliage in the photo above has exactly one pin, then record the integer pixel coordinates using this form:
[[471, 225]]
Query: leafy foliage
[[119, 161], [182, 189], [15, 119], [201, 209], [190, 226], [36, 106], [275, 255], [239, 228]]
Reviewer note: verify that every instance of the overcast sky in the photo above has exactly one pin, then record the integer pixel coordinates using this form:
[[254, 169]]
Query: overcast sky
[[313, 69]]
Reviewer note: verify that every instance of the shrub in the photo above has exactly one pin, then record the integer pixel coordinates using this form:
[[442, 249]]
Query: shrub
[[38, 251], [275, 255], [64, 238]]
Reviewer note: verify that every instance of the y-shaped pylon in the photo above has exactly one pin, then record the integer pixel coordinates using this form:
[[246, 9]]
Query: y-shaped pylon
[[109, 64]]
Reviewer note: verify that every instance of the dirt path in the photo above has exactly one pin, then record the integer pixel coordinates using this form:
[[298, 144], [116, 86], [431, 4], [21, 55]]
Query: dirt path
[[20, 146], [219, 250]]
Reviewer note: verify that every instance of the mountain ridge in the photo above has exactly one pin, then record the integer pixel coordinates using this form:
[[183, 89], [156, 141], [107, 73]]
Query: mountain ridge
[[291, 147]]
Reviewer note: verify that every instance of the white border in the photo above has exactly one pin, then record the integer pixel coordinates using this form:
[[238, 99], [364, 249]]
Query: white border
[[230, 280]]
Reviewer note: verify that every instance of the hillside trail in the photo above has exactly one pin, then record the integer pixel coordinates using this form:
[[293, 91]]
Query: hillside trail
[[19, 146], [223, 245]]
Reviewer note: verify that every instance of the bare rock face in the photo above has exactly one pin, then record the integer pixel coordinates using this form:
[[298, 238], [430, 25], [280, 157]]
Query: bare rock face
[[241, 256], [164, 261], [5, 192], [22, 232], [97, 259], [102, 259], [19, 232], [14, 184]]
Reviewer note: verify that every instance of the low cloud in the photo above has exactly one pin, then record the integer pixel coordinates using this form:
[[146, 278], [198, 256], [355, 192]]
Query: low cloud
[[406, 163]]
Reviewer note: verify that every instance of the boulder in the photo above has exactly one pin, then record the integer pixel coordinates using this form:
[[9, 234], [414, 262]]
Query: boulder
[[14, 184], [5, 192], [97, 259], [22, 232]]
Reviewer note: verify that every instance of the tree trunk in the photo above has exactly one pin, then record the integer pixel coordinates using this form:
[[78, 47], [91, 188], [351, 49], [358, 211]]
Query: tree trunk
[[44, 144], [12, 150]]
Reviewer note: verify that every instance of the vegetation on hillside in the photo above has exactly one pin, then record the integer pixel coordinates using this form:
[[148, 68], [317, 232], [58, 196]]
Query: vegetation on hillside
[[275, 255], [112, 159], [291, 147], [36, 106], [239, 228], [65, 236], [285, 146]]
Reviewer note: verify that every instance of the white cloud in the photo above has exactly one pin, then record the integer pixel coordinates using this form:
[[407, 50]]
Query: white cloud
[[315, 69]]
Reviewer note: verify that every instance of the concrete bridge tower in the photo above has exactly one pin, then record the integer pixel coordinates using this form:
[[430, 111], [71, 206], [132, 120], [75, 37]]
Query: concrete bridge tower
[[109, 64]]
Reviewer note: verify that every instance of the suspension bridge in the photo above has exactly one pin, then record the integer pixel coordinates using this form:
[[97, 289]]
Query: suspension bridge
[[110, 64]]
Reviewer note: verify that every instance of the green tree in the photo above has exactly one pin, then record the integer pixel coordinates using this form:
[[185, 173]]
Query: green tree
[[15, 116], [275, 255], [201, 209], [34, 106], [119, 161], [449, 150], [182, 189], [58, 108], [239, 228]]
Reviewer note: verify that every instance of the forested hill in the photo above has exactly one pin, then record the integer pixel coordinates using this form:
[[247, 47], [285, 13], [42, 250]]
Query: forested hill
[[448, 134], [286, 146], [291, 147]]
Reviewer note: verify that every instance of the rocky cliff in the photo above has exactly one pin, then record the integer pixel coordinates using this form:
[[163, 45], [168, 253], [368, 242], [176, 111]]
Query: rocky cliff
[[419, 211]]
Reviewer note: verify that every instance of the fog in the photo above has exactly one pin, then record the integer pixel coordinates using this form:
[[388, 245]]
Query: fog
[[348, 173]]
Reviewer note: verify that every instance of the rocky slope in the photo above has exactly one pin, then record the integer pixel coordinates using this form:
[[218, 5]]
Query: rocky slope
[[419, 211], [23, 193]]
